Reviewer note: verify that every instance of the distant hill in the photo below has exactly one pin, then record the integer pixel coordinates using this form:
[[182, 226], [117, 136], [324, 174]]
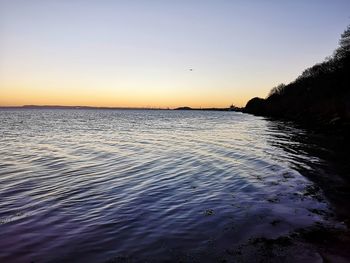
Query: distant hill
[[231, 108], [184, 108], [319, 96]]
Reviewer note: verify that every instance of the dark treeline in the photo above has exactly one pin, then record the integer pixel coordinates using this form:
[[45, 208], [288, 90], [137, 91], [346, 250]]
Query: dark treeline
[[319, 96]]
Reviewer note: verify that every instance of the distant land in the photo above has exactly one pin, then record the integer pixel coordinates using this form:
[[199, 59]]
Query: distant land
[[231, 108], [77, 107]]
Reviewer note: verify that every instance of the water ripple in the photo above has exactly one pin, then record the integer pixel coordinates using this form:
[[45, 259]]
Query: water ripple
[[87, 186]]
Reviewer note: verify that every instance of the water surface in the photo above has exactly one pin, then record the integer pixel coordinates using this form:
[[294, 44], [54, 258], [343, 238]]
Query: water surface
[[95, 185]]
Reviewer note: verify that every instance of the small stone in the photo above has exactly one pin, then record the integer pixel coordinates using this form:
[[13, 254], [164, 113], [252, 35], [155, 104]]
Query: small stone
[[209, 212]]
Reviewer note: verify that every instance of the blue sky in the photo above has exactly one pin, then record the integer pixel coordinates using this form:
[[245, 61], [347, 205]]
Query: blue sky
[[138, 53]]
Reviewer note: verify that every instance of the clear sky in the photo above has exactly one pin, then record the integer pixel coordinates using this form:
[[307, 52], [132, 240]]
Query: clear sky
[[140, 52]]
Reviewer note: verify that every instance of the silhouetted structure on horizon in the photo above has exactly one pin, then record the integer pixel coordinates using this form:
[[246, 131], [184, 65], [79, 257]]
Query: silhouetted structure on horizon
[[319, 96]]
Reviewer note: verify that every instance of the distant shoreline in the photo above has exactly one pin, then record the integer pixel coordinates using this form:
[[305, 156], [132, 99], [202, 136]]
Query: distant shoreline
[[60, 107]]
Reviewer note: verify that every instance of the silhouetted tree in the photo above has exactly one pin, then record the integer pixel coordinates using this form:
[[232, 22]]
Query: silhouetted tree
[[278, 90], [255, 105], [344, 44]]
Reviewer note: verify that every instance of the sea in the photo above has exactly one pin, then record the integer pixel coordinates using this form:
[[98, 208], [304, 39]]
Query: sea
[[85, 185]]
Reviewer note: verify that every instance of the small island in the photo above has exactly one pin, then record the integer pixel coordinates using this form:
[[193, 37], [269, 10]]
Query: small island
[[231, 108]]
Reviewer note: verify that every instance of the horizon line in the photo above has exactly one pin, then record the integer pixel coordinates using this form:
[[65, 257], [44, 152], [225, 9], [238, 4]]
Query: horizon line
[[33, 106]]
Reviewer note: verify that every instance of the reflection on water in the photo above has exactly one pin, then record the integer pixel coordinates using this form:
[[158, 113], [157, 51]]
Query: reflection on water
[[88, 186], [323, 158]]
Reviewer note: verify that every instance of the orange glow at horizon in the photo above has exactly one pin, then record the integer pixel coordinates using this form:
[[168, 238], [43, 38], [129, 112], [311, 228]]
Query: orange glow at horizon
[[19, 96]]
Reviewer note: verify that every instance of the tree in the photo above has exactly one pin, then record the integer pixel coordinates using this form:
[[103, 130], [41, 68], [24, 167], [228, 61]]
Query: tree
[[278, 90], [344, 45]]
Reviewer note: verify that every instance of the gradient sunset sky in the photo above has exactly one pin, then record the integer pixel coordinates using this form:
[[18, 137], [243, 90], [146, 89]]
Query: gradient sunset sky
[[139, 53]]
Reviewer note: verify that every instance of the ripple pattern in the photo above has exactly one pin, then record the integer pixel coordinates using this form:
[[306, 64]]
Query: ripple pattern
[[92, 185]]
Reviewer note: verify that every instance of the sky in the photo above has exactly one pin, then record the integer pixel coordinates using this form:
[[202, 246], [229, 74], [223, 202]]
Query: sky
[[139, 53]]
